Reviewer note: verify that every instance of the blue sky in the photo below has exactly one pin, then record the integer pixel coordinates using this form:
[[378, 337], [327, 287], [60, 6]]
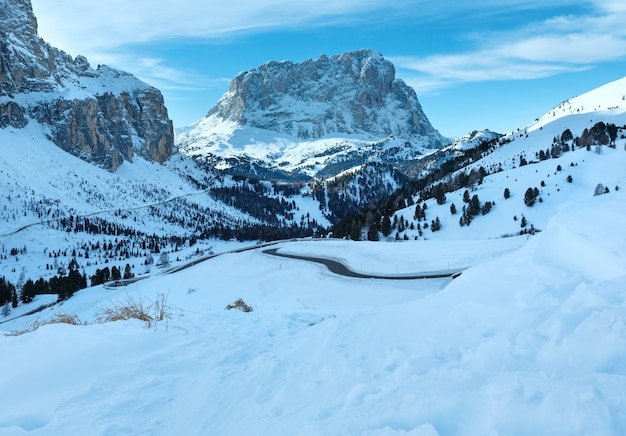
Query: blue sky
[[496, 64]]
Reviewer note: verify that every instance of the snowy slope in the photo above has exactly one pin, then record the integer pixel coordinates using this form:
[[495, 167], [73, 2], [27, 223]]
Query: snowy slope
[[151, 200], [529, 342], [530, 339], [601, 165], [606, 101], [231, 143]]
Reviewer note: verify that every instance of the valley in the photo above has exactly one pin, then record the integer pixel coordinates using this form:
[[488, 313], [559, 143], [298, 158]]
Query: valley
[[311, 257]]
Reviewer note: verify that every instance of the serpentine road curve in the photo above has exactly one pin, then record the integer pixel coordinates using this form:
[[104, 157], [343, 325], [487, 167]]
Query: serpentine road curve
[[341, 269], [333, 266]]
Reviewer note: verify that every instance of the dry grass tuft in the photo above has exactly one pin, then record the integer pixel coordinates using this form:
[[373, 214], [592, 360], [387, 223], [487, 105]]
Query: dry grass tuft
[[148, 311], [240, 305], [58, 319], [65, 319], [151, 312]]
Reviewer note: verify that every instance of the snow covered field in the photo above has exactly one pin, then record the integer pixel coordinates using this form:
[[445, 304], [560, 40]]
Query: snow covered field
[[529, 341]]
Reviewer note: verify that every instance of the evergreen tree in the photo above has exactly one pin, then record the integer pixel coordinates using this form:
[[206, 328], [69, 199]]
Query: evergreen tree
[[372, 232], [529, 197], [435, 225], [440, 194], [486, 207], [452, 209], [599, 189], [567, 136], [115, 273], [14, 299], [474, 206], [385, 227], [28, 291], [507, 193], [128, 272], [164, 260]]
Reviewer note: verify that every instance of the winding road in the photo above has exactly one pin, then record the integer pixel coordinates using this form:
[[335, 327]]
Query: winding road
[[333, 266], [341, 269]]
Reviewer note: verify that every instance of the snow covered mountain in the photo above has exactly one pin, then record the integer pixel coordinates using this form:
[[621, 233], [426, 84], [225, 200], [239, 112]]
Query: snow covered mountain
[[609, 100], [529, 339], [89, 176], [104, 116], [298, 120], [511, 184]]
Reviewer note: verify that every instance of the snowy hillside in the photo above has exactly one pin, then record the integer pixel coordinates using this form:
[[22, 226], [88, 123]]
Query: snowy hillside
[[607, 100], [530, 338], [568, 159], [252, 150], [69, 209]]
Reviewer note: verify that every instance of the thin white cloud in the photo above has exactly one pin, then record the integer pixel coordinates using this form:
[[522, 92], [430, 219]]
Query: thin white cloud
[[155, 72], [563, 43], [99, 30], [85, 26], [538, 50]]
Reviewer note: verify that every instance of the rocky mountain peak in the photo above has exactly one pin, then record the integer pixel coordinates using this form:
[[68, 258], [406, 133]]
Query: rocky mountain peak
[[355, 93], [27, 63], [103, 116]]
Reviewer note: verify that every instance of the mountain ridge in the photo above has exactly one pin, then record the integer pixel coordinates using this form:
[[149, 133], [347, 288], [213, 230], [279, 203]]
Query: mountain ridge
[[103, 115], [302, 117]]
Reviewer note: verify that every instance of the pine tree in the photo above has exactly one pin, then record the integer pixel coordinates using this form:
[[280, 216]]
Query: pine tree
[[28, 291], [128, 272], [372, 232], [474, 206], [529, 197], [386, 225], [14, 299], [599, 189], [440, 194]]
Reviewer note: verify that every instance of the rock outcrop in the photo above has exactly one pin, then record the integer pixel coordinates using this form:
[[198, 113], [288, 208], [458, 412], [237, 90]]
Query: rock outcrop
[[316, 119], [103, 116], [355, 93]]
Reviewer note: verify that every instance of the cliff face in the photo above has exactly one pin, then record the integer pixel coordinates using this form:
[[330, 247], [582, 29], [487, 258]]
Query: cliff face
[[103, 116], [352, 93]]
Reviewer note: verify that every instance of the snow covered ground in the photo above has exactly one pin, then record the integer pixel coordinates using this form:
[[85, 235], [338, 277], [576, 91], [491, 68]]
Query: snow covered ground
[[531, 339]]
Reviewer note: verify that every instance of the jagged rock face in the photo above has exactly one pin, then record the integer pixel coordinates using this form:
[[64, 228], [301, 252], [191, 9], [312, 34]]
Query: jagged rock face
[[104, 128], [353, 93], [12, 115]]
